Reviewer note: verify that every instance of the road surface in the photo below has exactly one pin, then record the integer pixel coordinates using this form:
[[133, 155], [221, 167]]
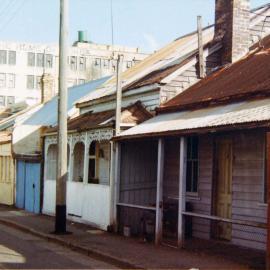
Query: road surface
[[20, 250]]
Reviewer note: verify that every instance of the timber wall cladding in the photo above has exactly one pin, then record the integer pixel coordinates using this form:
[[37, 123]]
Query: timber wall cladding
[[202, 202], [248, 188], [171, 170], [137, 181], [138, 173]]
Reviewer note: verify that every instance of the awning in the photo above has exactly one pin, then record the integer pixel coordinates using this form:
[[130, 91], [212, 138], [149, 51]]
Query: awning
[[247, 112]]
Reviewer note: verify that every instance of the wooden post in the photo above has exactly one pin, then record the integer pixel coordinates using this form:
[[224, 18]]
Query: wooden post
[[117, 182], [112, 185], [182, 192], [200, 46], [159, 197], [268, 199], [86, 160], [118, 95], [70, 169]]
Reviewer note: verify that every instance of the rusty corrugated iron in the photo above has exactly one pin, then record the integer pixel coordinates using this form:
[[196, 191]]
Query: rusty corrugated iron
[[247, 78]]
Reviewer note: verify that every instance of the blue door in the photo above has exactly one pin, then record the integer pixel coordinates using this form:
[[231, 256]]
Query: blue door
[[20, 184], [32, 187], [28, 186]]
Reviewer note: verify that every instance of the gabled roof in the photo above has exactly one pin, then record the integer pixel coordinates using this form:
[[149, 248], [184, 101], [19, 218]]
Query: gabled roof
[[162, 60], [131, 115], [247, 78], [47, 114]]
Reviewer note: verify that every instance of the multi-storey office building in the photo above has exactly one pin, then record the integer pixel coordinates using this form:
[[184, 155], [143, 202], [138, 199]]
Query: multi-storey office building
[[23, 64]]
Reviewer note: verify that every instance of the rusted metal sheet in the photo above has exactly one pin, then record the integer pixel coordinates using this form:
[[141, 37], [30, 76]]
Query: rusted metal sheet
[[133, 114], [248, 77]]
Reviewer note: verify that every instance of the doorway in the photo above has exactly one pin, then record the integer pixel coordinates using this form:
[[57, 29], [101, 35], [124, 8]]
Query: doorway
[[223, 190]]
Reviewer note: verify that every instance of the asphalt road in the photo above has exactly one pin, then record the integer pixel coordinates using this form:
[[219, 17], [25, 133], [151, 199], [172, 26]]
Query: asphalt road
[[20, 250]]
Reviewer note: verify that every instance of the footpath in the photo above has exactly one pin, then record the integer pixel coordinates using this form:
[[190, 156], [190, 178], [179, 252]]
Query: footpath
[[130, 253]]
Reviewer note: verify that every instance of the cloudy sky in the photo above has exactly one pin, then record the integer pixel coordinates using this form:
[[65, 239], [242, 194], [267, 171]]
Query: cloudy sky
[[148, 24]]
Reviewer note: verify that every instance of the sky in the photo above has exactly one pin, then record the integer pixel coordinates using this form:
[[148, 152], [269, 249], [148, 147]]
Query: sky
[[147, 24]]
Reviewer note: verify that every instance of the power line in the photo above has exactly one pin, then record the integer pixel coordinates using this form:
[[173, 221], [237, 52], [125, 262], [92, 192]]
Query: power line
[[13, 15], [112, 25], [6, 7]]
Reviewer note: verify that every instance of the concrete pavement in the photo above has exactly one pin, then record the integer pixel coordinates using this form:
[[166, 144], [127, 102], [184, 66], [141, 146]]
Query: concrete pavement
[[128, 252]]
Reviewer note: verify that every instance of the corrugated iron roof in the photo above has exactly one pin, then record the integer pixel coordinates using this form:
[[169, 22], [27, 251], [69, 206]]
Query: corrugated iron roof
[[246, 112], [247, 77], [133, 114]]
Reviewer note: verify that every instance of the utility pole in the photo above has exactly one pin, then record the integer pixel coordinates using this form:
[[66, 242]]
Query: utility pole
[[200, 46], [118, 94], [60, 211]]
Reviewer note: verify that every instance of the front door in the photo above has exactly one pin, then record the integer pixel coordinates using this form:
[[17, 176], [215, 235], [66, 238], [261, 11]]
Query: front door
[[223, 196], [32, 187]]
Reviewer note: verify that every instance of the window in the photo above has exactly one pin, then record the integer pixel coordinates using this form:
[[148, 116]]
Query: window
[[51, 162], [93, 163], [106, 63], [10, 101], [97, 62], [12, 58], [11, 81], [3, 57], [73, 62], [2, 80], [30, 82], [40, 60], [192, 164], [2, 101], [81, 81], [71, 82], [129, 64], [49, 61], [31, 59], [38, 82], [78, 162], [82, 63]]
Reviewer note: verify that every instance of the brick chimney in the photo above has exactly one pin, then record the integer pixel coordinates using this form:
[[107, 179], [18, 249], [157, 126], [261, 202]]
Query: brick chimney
[[232, 19], [47, 91]]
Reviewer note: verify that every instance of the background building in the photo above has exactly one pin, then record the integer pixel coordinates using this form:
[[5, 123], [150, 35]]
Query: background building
[[23, 64]]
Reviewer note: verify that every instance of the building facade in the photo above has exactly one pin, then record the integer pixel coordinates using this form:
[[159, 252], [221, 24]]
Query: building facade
[[23, 64]]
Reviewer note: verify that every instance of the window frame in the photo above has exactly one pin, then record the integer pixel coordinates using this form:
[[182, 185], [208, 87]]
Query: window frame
[[3, 55], [95, 179], [31, 59], [12, 63], [27, 82], [2, 101], [8, 100], [193, 160], [13, 80]]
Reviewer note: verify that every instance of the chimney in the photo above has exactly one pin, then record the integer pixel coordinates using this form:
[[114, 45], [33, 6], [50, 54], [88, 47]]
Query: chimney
[[47, 91], [232, 19]]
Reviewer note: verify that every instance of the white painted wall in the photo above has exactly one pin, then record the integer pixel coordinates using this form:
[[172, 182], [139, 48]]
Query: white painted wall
[[89, 203]]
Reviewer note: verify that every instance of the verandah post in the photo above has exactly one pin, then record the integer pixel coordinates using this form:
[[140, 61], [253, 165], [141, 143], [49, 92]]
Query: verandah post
[[159, 196], [268, 199], [182, 192], [117, 182]]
